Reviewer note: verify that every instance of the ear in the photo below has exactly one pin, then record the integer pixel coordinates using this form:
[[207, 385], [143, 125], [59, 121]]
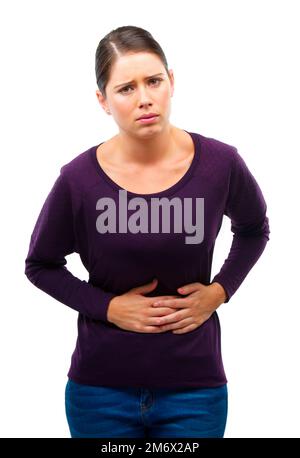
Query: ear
[[171, 78], [102, 100]]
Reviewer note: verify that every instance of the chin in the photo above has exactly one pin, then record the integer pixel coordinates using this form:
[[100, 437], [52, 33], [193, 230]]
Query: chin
[[150, 131]]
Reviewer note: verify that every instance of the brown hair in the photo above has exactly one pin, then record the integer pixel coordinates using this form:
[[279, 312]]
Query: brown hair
[[125, 39]]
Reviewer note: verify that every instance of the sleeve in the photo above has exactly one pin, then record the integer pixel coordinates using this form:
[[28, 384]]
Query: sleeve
[[52, 239], [246, 208]]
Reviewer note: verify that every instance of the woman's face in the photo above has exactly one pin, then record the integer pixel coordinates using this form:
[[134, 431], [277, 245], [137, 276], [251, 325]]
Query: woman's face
[[138, 84]]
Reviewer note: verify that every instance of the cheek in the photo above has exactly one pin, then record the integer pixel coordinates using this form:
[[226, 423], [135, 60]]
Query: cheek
[[122, 109], [165, 98], [123, 105]]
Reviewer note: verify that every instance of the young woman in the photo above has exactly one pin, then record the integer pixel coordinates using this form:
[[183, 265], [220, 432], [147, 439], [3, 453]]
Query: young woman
[[143, 210]]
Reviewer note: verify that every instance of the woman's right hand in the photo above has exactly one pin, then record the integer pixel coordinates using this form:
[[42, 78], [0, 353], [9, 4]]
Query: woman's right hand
[[134, 312]]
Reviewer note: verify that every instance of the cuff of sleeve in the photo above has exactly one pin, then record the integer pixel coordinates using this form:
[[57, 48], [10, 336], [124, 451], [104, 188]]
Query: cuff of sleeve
[[104, 300]]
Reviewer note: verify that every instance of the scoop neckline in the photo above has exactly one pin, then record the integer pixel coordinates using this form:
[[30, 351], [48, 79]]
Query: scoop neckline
[[168, 191]]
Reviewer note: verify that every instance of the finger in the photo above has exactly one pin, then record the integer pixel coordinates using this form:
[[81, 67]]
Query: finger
[[167, 297], [160, 311], [176, 303], [179, 324], [162, 319], [190, 288], [161, 298], [174, 317], [154, 329], [189, 328]]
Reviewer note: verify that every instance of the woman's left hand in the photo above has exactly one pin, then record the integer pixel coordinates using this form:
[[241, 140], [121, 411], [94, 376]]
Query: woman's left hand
[[195, 309]]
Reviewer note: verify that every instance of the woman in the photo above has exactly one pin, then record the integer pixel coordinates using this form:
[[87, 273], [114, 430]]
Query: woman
[[143, 210]]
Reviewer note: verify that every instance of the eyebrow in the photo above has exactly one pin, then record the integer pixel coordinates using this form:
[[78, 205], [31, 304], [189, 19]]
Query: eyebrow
[[133, 80]]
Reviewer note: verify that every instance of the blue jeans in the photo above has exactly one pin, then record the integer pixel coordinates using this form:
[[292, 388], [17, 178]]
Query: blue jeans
[[103, 411]]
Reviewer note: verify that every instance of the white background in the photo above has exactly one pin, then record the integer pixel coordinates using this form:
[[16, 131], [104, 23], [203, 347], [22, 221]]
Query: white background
[[236, 68]]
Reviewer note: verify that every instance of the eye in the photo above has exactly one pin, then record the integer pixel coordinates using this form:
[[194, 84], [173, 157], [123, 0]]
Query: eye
[[126, 87]]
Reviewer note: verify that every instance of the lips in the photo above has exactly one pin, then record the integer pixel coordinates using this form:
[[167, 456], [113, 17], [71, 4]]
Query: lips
[[148, 115]]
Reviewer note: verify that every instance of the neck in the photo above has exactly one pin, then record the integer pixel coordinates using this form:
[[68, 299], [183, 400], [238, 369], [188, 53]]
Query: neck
[[147, 150]]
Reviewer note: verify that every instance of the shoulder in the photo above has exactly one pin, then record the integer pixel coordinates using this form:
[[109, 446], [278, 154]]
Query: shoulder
[[217, 158], [77, 164], [215, 148], [79, 174]]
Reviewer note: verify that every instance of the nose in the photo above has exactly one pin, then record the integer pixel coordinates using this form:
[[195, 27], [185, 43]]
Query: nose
[[144, 99]]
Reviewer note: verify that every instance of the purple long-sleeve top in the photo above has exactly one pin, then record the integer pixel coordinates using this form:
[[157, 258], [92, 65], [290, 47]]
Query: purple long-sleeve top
[[172, 240]]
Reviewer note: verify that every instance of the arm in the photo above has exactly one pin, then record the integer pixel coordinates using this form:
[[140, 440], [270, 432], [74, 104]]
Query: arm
[[52, 239], [219, 292], [246, 208]]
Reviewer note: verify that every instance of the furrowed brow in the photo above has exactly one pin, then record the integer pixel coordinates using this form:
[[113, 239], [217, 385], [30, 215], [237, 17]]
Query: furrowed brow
[[129, 82]]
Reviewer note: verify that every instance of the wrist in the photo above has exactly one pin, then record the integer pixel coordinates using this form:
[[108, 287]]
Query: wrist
[[219, 292], [109, 312]]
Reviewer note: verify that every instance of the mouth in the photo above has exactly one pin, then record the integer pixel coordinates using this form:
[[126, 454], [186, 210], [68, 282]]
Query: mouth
[[147, 120]]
